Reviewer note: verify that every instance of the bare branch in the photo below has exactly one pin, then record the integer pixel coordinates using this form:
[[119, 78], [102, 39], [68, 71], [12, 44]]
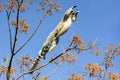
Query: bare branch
[[10, 32], [14, 44], [50, 74], [54, 71], [31, 34], [70, 48], [16, 30], [40, 66]]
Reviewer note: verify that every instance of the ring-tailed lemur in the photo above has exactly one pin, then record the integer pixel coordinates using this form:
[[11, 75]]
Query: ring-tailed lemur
[[53, 38]]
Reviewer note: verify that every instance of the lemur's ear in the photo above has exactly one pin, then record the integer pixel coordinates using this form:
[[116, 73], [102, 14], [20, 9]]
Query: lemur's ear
[[74, 6], [69, 10], [76, 13]]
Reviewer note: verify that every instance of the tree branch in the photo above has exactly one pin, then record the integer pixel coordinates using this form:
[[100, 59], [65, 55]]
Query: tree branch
[[70, 48], [14, 44], [31, 34], [39, 67], [13, 52], [10, 32], [16, 29], [54, 71]]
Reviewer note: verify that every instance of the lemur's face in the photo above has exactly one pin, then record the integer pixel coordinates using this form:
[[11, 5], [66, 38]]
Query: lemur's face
[[74, 16], [71, 14]]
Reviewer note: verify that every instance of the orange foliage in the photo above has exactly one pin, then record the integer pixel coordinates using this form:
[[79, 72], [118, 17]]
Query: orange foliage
[[44, 78], [23, 26], [51, 6], [68, 57], [26, 60], [1, 7], [75, 77], [110, 54], [23, 7], [79, 41], [117, 50], [94, 69], [3, 69], [114, 76]]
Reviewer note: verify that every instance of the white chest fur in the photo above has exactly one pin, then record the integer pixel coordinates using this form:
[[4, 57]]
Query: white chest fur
[[65, 26], [67, 23]]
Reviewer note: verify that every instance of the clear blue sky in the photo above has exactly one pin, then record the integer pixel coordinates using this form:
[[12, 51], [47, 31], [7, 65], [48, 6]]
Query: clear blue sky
[[98, 19]]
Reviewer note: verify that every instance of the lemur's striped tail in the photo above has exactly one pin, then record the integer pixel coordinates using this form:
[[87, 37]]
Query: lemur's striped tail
[[36, 61], [48, 46]]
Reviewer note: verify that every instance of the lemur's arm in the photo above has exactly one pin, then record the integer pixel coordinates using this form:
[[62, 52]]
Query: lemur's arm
[[53, 38]]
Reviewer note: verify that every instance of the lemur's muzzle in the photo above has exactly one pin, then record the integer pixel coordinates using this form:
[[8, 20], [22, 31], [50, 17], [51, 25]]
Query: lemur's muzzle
[[73, 14]]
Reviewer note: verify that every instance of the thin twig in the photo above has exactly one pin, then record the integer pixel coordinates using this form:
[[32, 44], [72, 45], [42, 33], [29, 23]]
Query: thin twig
[[71, 42], [106, 67], [10, 32], [36, 77], [54, 70], [95, 42], [31, 34]]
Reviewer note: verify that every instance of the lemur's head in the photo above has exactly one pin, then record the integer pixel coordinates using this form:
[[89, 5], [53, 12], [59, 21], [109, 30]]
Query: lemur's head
[[71, 14]]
